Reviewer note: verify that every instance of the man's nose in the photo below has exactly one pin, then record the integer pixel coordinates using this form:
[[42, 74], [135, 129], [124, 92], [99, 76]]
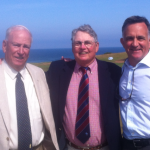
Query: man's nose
[[135, 42], [83, 45], [21, 50]]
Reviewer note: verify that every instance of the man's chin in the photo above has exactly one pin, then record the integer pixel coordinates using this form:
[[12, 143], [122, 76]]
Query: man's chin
[[137, 56], [84, 62], [18, 66], [135, 59]]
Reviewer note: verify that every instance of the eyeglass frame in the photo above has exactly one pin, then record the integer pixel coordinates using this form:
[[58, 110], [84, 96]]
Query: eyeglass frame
[[80, 43], [117, 89]]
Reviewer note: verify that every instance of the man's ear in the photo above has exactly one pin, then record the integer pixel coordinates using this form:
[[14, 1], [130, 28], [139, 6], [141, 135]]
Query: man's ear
[[122, 41], [4, 45], [149, 42], [97, 46]]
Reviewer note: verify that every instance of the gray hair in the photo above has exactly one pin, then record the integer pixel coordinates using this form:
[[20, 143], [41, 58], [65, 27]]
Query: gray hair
[[136, 19], [16, 27], [85, 28]]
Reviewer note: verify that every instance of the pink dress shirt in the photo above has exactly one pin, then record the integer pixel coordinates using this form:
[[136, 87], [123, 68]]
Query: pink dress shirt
[[95, 117]]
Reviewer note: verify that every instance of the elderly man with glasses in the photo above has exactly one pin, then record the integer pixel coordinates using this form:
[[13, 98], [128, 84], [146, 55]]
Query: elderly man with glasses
[[85, 108], [134, 86]]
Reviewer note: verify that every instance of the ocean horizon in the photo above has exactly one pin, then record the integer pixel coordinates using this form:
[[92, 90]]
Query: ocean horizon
[[47, 55]]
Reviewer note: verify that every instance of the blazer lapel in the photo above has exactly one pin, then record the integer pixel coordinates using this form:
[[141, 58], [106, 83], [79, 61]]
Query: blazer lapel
[[4, 108], [35, 81], [65, 77], [104, 81]]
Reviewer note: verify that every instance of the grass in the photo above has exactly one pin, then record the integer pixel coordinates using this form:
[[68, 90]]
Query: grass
[[44, 66], [118, 59]]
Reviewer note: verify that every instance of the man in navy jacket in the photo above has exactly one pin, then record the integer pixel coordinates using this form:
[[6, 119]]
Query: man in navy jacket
[[63, 80]]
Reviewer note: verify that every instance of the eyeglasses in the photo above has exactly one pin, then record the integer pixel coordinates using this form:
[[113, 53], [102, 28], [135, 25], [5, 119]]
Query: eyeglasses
[[117, 90], [88, 44]]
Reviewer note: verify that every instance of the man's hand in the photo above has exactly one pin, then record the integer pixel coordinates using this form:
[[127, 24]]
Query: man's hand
[[66, 59]]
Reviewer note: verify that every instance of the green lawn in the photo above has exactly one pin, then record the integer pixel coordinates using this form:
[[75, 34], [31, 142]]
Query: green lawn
[[44, 66], [118, 58]]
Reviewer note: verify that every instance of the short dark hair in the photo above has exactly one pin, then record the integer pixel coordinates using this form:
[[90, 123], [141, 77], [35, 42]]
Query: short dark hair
[[136, 19]]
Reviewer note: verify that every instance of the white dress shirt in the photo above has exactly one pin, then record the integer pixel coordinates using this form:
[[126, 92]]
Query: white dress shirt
[[36, 123], [135, 112]]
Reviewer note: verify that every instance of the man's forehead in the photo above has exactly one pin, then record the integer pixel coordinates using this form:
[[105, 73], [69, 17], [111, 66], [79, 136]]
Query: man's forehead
[[133, 25], [17, 31], [136, 28], [82, 35], [15, 34]]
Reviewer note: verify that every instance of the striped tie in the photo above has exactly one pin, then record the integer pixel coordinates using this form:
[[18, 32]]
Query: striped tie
[[82, 128]]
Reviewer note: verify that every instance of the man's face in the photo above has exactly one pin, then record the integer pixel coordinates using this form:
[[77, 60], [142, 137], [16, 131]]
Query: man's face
[[136, 42], [84, 55], [16, 48]]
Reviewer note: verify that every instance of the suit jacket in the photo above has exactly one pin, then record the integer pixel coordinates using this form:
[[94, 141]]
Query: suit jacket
[[58, 78], [41, 88]]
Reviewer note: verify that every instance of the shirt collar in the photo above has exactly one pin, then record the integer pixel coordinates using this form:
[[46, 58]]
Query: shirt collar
[[91, 66], [11, 72], [144, 61]]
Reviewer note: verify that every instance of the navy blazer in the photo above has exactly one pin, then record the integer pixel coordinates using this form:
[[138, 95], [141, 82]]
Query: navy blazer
[[58, 79]]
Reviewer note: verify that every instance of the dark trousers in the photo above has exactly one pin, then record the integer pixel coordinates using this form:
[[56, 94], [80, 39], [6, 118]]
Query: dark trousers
[[129, 145]]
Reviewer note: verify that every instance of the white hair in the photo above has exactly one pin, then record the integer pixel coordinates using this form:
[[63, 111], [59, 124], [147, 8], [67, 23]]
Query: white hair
[[85, 28], [16, 27]]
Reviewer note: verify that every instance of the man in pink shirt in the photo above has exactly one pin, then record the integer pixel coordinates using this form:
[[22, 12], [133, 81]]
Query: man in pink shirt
[[85, 109]]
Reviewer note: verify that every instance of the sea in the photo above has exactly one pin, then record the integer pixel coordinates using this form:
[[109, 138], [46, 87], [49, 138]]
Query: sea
[[47, 55]]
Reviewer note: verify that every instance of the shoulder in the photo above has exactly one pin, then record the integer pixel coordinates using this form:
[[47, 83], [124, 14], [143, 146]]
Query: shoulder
[[34, 69], [56, 66], [28, 65], [111, 68], [108, 65]]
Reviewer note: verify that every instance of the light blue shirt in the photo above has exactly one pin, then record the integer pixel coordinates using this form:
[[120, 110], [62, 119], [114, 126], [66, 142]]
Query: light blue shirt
[[135, 113]]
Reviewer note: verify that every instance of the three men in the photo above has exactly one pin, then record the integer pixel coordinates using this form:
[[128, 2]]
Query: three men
[[26, 121], [135, 84], [83, 99], [82, 92]]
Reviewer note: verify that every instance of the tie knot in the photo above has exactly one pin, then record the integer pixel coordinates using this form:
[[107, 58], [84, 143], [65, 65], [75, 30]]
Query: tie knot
[[18, 75], [84, 69]]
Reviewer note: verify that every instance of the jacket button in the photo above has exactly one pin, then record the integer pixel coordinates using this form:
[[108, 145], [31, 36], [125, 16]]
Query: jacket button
[[59, 128], [7, 138]]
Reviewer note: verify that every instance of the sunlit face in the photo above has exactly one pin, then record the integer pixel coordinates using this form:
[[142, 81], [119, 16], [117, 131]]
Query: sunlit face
[[16, 48], [136, 42], [84, 55]]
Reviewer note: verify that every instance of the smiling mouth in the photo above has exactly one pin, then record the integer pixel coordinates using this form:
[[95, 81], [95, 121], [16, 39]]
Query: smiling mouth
[[82, 53], [20, 58], [135, 49]]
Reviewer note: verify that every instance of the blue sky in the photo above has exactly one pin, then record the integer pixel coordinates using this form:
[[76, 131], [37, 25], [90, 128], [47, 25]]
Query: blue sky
[[51, 21]]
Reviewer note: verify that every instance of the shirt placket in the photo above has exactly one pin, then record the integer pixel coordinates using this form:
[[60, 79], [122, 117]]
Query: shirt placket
[[129, 106]]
